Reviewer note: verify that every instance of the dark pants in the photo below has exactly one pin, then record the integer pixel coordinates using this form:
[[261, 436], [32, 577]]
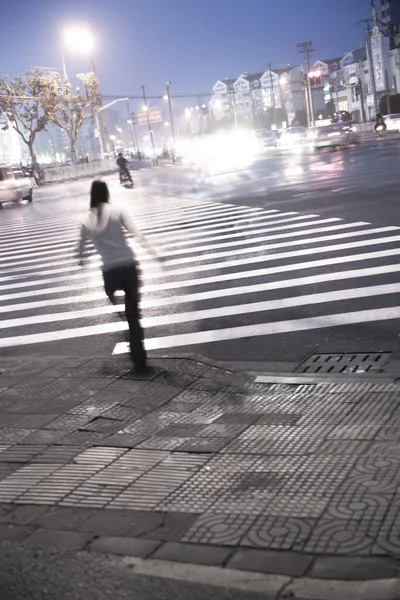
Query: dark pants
[[127, 278]]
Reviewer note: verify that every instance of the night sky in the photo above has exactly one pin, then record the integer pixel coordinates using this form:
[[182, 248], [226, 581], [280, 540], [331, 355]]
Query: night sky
[[191, 42]]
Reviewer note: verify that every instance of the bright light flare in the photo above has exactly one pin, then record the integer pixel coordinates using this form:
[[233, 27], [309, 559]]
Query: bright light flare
[[79, 39], [224, 152]]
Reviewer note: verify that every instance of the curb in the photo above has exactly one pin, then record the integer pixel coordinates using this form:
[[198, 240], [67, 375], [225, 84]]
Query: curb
[[278, 586]]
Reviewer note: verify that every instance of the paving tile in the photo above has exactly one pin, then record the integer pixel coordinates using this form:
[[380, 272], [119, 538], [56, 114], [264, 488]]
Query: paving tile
[[35, 420], [191, 553], [125, 546], [220, 530], [46, 437], [353, 568], [23, 515], [123, 523], [99, 456], [14, 533], [173, 527], [14, 435], [58, 454], [267, 561], [65, 519], [21, 453], [68, 540]]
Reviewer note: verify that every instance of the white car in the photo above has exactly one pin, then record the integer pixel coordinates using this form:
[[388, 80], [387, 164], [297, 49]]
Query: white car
[[266, 138], [392, 122], [333, 136], [293, 136], [14, 185]]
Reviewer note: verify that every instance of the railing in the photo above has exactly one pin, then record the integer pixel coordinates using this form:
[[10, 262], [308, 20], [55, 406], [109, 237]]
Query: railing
[[59, 174]]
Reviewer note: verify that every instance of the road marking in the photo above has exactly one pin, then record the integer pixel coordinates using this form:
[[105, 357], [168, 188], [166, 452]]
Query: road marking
[[200, 296], [210, 313], [287, 244], [280, 256], [264, 238], [217, 335], [268, 329], [96, 281]]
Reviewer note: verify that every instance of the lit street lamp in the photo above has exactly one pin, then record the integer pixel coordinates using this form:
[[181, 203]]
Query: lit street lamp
[[79, 39]]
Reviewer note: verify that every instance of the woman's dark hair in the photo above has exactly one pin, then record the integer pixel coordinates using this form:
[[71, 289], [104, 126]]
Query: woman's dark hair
[[99, 194]]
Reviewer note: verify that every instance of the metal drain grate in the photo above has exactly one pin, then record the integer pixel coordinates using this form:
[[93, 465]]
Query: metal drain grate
[[350, 362]]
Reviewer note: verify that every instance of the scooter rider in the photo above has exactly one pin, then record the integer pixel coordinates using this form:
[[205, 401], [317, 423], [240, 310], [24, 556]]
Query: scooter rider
[[380, 124], [123, 167]]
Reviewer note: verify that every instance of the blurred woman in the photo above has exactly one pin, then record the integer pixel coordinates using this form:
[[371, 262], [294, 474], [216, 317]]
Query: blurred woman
[[105, 227]]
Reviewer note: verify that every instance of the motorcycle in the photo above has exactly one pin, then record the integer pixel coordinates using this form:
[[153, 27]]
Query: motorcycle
[[125, 181]]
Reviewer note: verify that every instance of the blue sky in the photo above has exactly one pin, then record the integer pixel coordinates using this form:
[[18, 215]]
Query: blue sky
[[191, 42]]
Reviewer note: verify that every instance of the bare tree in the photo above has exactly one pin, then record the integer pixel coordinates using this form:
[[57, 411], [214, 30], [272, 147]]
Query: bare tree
[[74, 108], [28, 103]]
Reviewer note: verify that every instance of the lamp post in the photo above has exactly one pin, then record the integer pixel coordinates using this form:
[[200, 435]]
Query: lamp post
[[96, 116], [79, 39], [171, 116]]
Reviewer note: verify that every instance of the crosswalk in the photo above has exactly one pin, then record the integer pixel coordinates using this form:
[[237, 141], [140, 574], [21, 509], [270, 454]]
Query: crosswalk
[[229, 272]]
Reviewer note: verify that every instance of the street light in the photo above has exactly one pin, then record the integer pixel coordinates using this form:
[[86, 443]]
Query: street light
[[79, 39], [96, 116]]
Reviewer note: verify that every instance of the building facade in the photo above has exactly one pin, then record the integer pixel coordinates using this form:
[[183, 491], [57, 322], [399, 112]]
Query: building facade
[[253, 95], [390, 12]]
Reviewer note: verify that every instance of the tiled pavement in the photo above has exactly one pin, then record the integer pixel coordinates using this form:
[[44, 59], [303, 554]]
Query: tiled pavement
[[197, 464]]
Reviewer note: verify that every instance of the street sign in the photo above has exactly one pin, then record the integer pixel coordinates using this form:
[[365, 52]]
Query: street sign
[[154, 115]]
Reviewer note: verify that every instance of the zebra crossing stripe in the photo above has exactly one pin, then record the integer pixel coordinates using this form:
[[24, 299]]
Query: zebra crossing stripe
[[96, 281], [211, 313], [209, 295], [215, 335]]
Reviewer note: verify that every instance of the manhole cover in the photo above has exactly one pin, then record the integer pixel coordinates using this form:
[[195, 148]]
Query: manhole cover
[[349, 362]]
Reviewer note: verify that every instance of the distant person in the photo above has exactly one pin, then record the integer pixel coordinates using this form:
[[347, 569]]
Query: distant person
[[104, 226], [123, 168], [32, 177], [380, 124]]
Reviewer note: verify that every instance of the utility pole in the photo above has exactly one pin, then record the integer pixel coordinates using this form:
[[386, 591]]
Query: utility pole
[[272, 90], [388, 108], [146, 109], [233, 93], [171, 116], [306, 48], [360, 88], [103, 129], [367, 23], [132, 127], [199, 100]]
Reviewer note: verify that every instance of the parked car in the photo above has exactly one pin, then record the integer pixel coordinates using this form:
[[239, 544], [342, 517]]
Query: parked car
[[14, 185], [293, 136], [336, 135], [266, 138], [392, 122]]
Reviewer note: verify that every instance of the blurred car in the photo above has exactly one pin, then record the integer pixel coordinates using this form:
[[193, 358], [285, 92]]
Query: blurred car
[[392, 122], [293, 136], [266, 138], [333, 136], [14, 185]]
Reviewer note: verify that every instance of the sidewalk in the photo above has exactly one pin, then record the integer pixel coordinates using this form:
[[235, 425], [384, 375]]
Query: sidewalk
[[195, 464]]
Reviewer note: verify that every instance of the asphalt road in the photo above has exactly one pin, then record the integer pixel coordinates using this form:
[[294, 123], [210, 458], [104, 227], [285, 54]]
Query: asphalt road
[[268, 258], [27, 573]]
